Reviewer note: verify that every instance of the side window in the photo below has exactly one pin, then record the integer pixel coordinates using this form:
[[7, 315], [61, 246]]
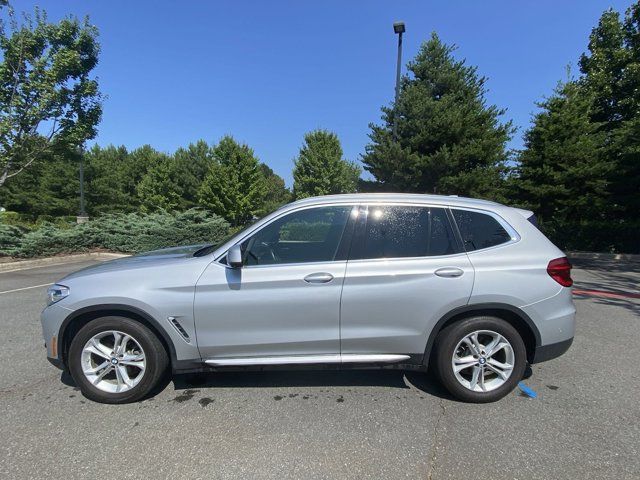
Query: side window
[[479, 230], [398, 231], [311, 235]]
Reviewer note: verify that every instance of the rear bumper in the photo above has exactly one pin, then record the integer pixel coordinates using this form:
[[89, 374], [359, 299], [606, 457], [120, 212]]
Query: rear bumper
[[553, 350]]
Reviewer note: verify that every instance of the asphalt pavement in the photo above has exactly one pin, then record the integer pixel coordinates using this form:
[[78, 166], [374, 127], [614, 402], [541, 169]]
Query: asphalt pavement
[[584, 423]]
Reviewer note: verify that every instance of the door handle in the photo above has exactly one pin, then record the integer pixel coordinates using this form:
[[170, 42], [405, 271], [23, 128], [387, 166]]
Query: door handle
[[449, 272], [320, 277]]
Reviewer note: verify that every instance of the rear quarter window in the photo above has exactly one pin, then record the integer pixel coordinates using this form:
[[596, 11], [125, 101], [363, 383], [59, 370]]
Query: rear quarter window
[[479, 230]]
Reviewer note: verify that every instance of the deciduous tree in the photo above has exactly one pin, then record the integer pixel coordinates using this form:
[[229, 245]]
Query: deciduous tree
[[320, 168], [49, 102]]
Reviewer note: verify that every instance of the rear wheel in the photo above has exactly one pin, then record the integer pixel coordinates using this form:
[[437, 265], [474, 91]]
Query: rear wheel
[[116, 360], [480, 359]]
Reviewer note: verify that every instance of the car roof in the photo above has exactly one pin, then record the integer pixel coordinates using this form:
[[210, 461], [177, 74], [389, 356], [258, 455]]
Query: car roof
[[451, 200]]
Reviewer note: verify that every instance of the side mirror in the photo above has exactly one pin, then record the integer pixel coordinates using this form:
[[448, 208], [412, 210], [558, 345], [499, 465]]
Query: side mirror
[[234, 257]]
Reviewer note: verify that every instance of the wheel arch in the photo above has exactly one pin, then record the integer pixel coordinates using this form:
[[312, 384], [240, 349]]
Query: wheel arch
[[513, 315], [76, 320]]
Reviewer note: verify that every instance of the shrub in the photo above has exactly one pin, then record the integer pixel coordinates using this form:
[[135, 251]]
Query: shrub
[[49, 239], [135, 232], [10, 237], [129, 233], [10, 218]]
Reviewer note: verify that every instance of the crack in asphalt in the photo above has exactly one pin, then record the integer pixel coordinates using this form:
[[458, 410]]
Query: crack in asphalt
[[436, 434]]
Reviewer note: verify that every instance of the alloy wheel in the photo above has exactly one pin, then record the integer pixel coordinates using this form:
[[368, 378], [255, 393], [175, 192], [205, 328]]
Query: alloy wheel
[[483, 361], [113, 361]]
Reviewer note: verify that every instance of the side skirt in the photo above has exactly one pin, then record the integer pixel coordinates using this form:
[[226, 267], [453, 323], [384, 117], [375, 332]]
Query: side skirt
[[411, 362], [307, 360]]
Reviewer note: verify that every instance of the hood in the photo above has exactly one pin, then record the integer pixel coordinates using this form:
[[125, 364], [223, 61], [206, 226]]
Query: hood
[[142, 260]]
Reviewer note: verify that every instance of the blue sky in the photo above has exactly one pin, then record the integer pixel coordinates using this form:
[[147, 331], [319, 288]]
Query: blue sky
[[268, 71]]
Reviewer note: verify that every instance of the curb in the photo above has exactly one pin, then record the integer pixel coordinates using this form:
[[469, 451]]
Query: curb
[[61, 260], [625, 257]]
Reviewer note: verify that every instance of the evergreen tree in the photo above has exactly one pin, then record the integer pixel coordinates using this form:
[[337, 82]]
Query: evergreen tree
[[172, 183], [108, 186], [562, 173], [234, 187], [194, 163], [448, 140], [580, 169], [49, 187], [320, 168], [113, 175], [611, 71], [277, 194], [161, 188]]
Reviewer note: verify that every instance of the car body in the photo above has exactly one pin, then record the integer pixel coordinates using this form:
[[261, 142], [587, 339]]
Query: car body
[[344, 280]]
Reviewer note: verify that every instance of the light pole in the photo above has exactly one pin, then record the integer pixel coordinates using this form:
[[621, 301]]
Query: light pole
[[398, 27]]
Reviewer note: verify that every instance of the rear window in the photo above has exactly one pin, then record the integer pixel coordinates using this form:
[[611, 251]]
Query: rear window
[[479, 230], [405, 231]]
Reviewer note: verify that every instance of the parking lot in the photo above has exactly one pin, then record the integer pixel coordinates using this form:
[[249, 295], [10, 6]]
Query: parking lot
[[352, 424]]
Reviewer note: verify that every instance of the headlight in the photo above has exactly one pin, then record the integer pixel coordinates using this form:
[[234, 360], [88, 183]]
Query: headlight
[[55, 293]]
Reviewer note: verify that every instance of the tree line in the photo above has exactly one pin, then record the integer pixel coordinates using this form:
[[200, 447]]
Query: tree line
[[226, 178], [579, 169]]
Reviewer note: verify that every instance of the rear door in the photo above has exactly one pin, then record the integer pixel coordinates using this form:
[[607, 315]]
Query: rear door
[[405, 271]]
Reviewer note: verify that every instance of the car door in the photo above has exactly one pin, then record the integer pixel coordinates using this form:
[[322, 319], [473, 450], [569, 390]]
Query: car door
[[406, 270], [285, 300]]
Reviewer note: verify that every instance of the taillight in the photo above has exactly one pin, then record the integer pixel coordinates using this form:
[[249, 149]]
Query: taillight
[[560, 270]]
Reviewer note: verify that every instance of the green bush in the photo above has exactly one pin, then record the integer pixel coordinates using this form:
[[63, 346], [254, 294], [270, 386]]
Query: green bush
[[10, 236], [10, 218], [129, 233]]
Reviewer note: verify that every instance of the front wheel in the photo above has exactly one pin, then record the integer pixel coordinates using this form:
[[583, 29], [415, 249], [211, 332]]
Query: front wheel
[[116, 360], [480, 359]]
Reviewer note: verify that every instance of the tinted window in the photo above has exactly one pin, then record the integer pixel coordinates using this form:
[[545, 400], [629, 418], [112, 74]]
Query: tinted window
[[396, 231], [479, 230], [311, 235]]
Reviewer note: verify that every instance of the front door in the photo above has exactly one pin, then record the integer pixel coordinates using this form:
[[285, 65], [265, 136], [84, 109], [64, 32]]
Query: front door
[[406, 271], [285, 300]]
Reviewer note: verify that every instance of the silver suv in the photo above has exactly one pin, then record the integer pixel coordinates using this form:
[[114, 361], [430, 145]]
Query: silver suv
[[469, 287]]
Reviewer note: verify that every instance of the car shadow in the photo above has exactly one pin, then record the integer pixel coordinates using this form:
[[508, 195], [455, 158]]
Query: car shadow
[[397, 379], [67, 379], [400, 379]]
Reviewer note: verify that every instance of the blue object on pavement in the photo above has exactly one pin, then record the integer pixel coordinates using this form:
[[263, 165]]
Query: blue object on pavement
[[527, 391]]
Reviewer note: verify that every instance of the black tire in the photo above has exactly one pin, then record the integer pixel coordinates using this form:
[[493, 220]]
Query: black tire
[[156, 358], [449, 338]]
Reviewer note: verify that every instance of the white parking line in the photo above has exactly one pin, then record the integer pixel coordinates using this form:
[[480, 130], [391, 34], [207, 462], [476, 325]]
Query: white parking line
[[25, 288]]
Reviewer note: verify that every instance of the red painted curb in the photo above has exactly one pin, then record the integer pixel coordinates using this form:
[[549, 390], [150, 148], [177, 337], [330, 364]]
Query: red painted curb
[[604, 293]]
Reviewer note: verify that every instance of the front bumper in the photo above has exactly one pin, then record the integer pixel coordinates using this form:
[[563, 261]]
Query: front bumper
[[51, 319], [56, 362]]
